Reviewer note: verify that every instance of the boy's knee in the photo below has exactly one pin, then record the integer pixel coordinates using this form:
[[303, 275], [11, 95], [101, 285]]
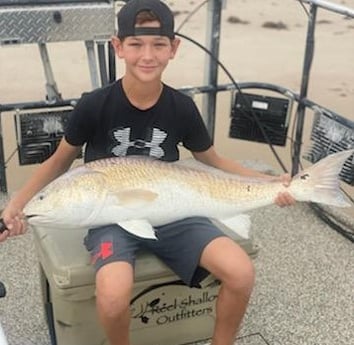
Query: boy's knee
[[247, 274], [241, 277], [112, 304], [114, 284]]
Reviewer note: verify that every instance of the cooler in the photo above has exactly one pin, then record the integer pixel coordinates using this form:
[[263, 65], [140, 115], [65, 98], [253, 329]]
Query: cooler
[[164, 310]]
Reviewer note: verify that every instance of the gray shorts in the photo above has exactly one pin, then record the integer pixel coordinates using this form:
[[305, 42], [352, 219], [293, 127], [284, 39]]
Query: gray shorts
[[179, 246]]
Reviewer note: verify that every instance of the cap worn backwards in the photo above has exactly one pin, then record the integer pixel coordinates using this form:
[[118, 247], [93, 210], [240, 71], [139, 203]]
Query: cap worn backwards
[[127, 19]]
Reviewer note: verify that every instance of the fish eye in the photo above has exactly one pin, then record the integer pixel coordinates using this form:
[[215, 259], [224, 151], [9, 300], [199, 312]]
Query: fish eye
[[41, 197]]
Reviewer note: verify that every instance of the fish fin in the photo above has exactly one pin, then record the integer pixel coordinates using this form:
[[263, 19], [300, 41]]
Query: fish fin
[[135, 197], [139, 227], [240, 225], [320, 182]]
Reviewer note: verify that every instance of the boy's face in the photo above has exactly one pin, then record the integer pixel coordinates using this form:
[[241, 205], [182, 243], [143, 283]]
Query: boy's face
[[146, 56]]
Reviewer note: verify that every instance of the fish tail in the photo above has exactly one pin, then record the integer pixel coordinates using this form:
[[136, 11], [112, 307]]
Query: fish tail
[[320, 182]]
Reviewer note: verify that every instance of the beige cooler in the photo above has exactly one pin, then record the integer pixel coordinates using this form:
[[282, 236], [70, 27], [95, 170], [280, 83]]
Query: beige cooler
[[164, 311]]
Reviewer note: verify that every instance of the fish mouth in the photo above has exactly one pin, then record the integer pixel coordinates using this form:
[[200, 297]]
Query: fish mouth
[[30, 216], [38, 219]]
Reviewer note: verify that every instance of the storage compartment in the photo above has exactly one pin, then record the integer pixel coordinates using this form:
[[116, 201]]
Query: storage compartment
[[55, 21]]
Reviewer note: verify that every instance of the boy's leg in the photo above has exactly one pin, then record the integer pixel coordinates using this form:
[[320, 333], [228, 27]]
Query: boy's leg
[[187, 244], [114, 283], [113, 255], [228, 262]]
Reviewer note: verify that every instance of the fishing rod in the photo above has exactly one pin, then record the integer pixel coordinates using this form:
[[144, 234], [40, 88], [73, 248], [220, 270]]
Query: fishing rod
[[2, 229]]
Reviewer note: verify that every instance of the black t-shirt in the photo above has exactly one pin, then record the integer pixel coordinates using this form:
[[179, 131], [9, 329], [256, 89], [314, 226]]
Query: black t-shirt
[[110, 125]]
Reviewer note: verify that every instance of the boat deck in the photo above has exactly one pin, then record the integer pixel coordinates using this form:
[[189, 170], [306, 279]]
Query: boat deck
[[303, 294]]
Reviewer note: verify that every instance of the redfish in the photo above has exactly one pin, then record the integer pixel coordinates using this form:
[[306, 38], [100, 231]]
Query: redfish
[[140, 194]]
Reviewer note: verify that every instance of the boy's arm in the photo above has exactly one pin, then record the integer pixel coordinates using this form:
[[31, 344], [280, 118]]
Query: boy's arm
[[50, 169]]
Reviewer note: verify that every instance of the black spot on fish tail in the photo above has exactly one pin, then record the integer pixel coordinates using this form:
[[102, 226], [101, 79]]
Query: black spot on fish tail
[[304, 176]]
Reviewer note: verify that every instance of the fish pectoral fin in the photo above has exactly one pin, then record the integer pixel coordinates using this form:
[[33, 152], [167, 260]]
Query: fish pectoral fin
[[135, 197], [139, 227], [240, 225]]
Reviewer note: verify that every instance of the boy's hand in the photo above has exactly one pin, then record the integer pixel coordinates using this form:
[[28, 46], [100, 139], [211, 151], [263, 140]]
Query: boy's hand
[[284, 198], [15, 223]]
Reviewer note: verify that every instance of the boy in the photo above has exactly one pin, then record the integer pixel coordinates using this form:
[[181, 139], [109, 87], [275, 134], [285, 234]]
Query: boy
[[138, 114]]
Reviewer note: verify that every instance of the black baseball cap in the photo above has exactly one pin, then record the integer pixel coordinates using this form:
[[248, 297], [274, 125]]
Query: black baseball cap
[[127, 18]]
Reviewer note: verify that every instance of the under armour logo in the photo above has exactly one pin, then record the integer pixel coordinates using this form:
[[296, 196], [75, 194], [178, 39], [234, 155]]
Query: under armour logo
[[125, 142]]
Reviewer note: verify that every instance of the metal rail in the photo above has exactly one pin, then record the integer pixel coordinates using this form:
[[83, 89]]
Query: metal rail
[[308, 58], [332, 7]]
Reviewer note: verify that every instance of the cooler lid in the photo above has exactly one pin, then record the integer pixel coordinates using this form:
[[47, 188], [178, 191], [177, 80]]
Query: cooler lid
[[66, 261]]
